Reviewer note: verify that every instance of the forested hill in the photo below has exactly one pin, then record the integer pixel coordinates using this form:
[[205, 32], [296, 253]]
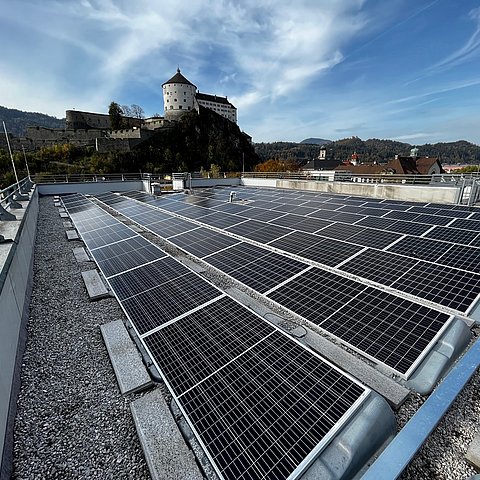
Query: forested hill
[[369, 150], [17, 121]]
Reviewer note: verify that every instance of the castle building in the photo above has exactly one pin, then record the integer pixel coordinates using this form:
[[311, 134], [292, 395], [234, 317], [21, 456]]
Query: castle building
[[180, 95]]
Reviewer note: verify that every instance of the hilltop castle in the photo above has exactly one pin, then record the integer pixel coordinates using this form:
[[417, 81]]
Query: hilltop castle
[[94, 129], [179, 96]]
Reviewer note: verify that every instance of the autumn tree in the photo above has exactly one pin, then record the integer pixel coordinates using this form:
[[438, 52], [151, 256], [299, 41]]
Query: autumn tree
[[274, 165]]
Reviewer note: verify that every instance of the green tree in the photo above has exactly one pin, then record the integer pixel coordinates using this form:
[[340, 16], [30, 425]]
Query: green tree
[[115, 113]]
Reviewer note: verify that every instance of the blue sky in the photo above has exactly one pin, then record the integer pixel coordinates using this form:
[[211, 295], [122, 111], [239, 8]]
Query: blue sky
[[399, 69]]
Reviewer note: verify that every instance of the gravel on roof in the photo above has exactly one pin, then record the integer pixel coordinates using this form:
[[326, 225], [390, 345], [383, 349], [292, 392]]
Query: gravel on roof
[[72, 421]]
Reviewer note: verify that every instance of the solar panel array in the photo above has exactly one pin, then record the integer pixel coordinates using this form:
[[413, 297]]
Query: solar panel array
[[361, 314], [261, 404]]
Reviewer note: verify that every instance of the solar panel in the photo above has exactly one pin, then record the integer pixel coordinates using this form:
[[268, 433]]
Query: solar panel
[[341, 231], [468, 224], [258, 231], [330, 252], [295, 242], [378, 266], [152, 308], [221, 220], [106, 235], [171, 226], [371, 237], [459, 256], [422, 248], [410, 228], [262, 214], [456, 235], [401, 215], [126, 254], [261, 407], [145, 277], [389, 329], [203, 241], [443, 285]]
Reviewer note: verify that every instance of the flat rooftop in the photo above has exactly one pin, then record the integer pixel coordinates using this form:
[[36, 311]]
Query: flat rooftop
[[375, 287]]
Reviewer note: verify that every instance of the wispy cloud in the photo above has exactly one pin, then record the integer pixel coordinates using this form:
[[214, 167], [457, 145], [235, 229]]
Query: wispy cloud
[[467, 52]]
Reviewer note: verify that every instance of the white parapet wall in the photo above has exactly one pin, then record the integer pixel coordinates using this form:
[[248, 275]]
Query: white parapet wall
[[15, 288], [414, 193]]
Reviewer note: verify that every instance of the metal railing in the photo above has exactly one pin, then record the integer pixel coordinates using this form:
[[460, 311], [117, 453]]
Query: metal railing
[[100, 177], [11, 195]]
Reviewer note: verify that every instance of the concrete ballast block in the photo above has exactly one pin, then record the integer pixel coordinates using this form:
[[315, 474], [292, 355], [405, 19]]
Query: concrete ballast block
[[166, 452], [81, 255], [67, 224], [72, 235], [473, 453], [95, 287], [132, 376], [63, 215]]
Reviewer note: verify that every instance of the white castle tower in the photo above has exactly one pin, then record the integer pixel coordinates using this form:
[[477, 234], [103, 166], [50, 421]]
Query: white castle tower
[[178, 95]]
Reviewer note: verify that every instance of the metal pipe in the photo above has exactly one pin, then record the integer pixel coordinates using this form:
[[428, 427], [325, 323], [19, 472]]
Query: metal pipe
[[398, 454]]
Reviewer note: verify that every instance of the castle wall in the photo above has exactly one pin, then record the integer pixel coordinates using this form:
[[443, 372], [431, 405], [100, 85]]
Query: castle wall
[[100, 121]]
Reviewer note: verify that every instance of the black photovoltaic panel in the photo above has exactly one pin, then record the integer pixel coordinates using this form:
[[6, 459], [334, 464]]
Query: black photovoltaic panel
[[375, 222], [456, 235], [433, 219], [267, 272], [392, 330], [378, 266], [107, 235], [258, 231], [372, 212], [171, 226], [147, 276], [371, 237], [298, 209], [221, 220], [443, 285], [124, 255], [262, 214], [158, 305], [150, 216], [409, 228], [288, 220], [466, 224], [323, 214], [330, 252], [401, 215], [194, 347], [232, 208], [259, 402], [459, 256], [194, 212], [311, 225], [422, 248], [273, 406], [240, 254], [303, 224], [94, 223], [203, 241], [295, 242], [316, 294], [347, 217], [341, 231]]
